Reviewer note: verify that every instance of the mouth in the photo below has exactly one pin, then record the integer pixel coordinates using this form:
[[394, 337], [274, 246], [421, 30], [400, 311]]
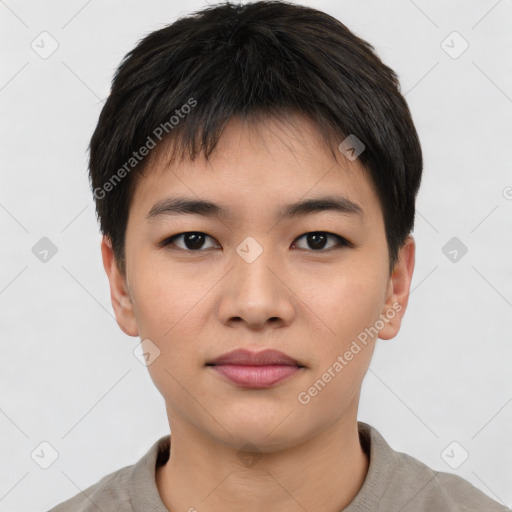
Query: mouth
[[255, 370], [248, 358]]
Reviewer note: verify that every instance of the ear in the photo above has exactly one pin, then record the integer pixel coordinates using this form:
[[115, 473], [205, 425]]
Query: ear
[[397, 294], [119, 294]]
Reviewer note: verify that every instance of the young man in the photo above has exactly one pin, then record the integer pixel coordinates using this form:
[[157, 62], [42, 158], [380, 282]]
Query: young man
[[255, 169]]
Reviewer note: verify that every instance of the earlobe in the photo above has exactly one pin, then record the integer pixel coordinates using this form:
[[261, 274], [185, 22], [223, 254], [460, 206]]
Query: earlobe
[[119, 294], [398, 291]]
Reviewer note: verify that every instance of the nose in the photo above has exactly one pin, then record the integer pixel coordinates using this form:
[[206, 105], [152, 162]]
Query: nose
[[256, 293]]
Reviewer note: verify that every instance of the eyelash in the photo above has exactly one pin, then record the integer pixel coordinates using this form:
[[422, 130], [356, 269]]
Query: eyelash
[[342, 242]]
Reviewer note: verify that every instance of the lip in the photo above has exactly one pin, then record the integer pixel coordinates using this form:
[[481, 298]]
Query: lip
[[255, 370], [248, 358]]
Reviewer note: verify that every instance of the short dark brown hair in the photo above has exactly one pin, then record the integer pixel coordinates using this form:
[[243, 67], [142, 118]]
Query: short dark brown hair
[[187, 80]]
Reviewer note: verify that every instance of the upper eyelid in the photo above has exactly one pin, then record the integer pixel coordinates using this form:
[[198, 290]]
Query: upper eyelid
[[169, 239], [342, 241]]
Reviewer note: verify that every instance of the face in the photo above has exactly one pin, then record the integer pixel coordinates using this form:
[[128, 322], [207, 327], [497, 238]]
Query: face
[[256, 274]]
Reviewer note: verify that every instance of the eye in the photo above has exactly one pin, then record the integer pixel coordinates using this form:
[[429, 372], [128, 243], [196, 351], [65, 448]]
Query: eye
[[192, 240], [318, 239]]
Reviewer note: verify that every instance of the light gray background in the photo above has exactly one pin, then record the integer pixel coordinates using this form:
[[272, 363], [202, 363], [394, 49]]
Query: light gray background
[[68, 373]]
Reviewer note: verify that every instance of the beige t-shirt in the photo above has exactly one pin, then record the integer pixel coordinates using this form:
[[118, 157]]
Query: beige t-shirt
[[396, 482]]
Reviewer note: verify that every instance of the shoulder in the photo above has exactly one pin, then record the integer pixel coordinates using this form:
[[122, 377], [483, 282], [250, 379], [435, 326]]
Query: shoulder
[[127, 489], [427, 489], [108, 494], [399, 481]]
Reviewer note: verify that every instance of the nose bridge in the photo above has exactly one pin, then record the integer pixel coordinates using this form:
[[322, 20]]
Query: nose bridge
[[252, 262], [256, 291]]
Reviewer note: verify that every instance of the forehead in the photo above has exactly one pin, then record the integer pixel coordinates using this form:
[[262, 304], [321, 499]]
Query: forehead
[[255, 165]]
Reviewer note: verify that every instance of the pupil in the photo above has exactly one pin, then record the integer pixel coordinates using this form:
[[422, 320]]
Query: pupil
[[317, 240], [194, 240]]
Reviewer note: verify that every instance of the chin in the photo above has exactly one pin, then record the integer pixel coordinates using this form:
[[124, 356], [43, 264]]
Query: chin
[[269, 434]]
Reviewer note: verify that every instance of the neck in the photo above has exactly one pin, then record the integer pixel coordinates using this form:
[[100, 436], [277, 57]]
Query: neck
[[322, 473]]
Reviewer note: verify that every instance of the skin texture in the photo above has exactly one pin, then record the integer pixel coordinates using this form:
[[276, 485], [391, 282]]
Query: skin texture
[[311, 304]]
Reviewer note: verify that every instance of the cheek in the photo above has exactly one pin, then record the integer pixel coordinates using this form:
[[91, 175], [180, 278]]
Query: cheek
[[164, 301], [152, 300], [171, 312], [349, 306], [351, 302], [167, 314]]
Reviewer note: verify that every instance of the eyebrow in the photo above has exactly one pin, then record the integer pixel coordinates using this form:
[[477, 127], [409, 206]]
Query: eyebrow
[[183, 206]]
